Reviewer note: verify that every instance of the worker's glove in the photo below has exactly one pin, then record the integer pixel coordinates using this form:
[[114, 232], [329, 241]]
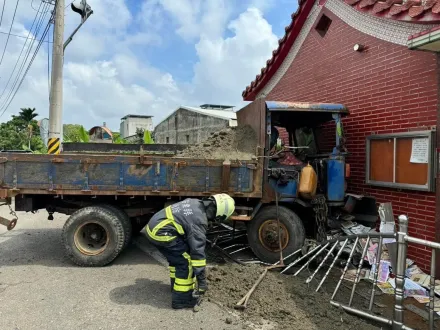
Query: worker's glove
[[202, 284]]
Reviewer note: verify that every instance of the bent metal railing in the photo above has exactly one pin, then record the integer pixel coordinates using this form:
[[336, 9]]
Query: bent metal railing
[[340, 244]]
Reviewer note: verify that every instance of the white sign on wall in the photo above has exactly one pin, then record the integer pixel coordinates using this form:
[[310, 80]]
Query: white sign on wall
[[420, 150]]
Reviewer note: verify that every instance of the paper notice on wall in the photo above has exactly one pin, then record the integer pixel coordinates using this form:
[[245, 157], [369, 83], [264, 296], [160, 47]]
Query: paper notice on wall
[[420, 151]]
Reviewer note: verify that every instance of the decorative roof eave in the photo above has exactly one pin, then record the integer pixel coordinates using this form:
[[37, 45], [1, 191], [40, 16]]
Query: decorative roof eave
[[428, 40], [278, 55], [414, 11]]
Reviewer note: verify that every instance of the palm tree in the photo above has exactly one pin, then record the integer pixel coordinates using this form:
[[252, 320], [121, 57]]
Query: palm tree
[[27, 115]]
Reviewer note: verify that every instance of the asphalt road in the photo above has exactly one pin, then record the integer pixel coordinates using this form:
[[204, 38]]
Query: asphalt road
[[41, 289]]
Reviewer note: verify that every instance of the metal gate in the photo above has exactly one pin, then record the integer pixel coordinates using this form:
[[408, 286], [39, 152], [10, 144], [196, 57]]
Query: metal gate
[[334, 249]]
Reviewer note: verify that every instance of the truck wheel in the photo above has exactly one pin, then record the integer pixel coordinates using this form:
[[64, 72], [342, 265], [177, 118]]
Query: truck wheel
[[93, 236], [125, 220], [262, 233]]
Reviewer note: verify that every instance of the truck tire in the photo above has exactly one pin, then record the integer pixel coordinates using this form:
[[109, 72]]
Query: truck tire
[[125, 220], [93, 236], [262, 233]]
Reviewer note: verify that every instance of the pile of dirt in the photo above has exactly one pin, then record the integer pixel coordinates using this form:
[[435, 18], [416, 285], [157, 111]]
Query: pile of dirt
[[230, 143], [285, 300]]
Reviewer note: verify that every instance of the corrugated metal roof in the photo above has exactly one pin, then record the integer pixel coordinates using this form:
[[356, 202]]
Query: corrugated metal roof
[[223, 114]]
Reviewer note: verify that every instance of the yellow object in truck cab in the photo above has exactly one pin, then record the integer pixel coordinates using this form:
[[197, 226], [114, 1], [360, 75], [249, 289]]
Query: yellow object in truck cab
[[308, 182]]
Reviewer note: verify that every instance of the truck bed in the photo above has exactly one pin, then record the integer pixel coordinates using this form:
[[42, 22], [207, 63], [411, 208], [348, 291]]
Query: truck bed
[[131, 175]]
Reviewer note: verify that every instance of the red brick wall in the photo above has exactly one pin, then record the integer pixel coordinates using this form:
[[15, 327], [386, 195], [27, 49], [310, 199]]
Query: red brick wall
[[387, 89]]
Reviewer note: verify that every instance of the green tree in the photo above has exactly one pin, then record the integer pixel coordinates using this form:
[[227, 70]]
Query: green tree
[[117, 139], [71, 133], [75, 133], [22, 132], [147, 138], [27, 114], [139, 136]]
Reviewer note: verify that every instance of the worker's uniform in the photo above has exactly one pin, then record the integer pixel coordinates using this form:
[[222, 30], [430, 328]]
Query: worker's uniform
[[179, 232]]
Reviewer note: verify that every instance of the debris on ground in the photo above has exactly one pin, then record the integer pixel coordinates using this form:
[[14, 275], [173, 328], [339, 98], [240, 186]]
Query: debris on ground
[[285, 300], [230, 143]]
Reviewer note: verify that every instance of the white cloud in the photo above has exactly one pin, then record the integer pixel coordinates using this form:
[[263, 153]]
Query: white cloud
[[104, 79], [226, 66]]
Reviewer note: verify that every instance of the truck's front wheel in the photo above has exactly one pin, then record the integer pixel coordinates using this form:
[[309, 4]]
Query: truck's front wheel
[[263, 233], [93, 236]]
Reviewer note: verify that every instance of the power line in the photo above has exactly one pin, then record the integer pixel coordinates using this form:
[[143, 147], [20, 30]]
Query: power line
[[10, 29], [30, 64], [42, 14], [23, 37], [40, 21], [3, 10]]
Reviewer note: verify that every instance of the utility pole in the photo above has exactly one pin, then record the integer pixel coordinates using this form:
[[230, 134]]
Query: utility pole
[[56, 90], [56, 93]]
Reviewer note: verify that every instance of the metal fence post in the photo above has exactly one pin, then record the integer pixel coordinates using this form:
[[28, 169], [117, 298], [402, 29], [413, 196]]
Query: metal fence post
[[400, 272]]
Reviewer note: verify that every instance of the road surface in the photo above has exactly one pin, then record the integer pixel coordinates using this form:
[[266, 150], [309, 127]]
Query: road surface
[[41, 289]]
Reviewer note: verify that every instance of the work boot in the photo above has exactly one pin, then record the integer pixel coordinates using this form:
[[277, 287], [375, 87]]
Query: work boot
[[187, 303]]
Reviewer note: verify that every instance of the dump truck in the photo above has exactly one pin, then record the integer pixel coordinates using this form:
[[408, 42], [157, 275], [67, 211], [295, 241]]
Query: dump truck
[[283, 194]]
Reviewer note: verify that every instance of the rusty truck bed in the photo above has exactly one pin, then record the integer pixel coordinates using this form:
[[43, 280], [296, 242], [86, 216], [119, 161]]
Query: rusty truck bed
[[133, 175]]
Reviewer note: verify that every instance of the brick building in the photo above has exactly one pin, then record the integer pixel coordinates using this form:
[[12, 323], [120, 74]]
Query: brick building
[[356, 52]]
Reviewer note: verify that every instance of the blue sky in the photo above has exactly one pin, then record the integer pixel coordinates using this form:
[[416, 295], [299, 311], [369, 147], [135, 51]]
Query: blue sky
[[147, 57]]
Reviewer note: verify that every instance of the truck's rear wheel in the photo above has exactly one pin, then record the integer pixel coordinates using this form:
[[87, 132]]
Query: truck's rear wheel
[[125, 221], [93, 236], [263, 233]]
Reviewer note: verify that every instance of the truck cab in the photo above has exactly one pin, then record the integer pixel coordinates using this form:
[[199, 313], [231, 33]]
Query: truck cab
[[313, 140], [305, 174]]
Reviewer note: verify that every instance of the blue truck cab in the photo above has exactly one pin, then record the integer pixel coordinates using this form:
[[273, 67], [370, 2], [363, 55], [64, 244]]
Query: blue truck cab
[[305, 174], [305, 124]]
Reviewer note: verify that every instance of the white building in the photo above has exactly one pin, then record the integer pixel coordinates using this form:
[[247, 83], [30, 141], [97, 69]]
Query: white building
[[130, 123]]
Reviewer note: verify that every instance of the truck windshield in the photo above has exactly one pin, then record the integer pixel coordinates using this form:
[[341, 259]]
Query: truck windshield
[[305, 137]]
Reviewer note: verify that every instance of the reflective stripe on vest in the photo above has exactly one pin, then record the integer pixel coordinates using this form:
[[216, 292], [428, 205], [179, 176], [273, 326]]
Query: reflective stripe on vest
[[168, 221]]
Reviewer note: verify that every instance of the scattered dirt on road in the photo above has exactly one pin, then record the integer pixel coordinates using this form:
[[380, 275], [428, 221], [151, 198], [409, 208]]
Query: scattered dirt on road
[[230, 143], [285, 300]]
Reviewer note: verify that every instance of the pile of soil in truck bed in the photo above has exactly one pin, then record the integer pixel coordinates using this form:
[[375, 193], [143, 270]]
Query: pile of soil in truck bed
[[230, 143], [287, 302]]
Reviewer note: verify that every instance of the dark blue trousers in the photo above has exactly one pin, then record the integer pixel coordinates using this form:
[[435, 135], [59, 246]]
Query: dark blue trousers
[[181, 272]]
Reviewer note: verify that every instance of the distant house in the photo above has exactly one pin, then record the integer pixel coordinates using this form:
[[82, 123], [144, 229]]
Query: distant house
[[130, 123], [101, 134], [191, 125]]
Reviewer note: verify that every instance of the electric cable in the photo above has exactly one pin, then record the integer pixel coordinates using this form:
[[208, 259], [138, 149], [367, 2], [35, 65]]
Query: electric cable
[[37, 29], [30, 64]]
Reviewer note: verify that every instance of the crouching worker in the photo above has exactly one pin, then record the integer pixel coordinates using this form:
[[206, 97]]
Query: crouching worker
[[179, 232]]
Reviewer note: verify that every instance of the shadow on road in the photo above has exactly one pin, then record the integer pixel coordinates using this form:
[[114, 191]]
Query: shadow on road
[[143, 292], [44, 247]]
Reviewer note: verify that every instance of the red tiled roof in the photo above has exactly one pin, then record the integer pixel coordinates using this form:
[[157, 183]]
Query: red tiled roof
[[405, 10], [421, 11]]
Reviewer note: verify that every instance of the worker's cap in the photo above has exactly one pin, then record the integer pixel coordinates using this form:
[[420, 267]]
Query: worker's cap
[[225, 205]]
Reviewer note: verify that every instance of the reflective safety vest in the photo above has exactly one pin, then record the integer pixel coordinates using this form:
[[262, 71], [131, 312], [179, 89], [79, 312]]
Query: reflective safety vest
[[185, 219]]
